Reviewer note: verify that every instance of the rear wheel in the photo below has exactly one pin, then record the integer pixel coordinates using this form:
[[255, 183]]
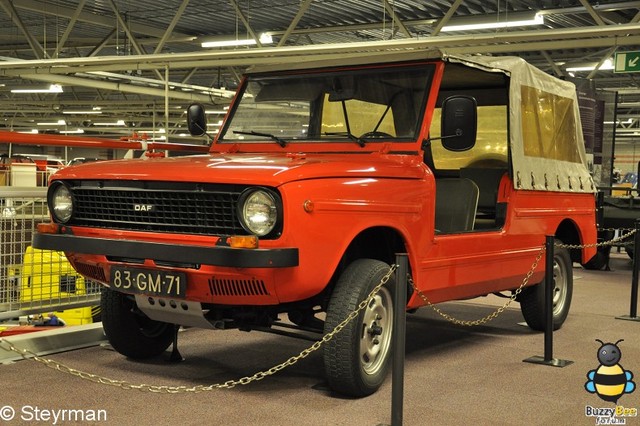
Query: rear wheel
[[131, 332], [532, 298], [357, 358]]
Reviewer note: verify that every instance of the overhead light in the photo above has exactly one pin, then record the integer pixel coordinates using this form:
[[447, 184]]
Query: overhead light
[[92, 111], [56, 123], [72, 132], [265, 38], [117, 123], [606, 65], [627, 121], [487, 22], [54, 88]]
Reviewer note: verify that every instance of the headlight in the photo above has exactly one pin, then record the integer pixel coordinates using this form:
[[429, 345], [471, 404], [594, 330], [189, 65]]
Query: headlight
[[60, 203], [258, 211]]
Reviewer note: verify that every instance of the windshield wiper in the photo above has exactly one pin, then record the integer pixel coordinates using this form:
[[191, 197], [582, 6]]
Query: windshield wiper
[[280, 141], [350, 135]]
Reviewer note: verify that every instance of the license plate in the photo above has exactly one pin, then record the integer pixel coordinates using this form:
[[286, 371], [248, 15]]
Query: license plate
[[148, 281]]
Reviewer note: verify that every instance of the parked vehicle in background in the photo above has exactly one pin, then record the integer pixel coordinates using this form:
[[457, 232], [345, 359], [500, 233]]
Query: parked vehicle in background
[[320, 174], [81, 160], [616, 213], [36, 175]]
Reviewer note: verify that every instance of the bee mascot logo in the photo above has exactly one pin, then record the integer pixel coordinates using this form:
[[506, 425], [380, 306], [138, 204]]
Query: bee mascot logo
[[609, 381]]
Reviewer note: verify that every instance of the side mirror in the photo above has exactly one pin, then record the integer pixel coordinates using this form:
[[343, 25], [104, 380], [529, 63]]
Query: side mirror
[[196, 120], [459, 123]]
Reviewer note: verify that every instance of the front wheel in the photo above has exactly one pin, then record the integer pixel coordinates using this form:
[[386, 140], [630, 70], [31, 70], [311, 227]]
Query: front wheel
[[129, 331], [532, 298], [357, 358]]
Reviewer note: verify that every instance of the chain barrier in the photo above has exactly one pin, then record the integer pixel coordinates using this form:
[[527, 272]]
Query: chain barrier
[[611, 242], [123, 384], [515, 294], [26, 354], [493, 314]]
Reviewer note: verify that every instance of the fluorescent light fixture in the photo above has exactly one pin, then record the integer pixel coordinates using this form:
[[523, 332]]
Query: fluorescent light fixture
[[92, 111], [54, 88], [265, 38], [117, 123], [606, 65], [627, 121], [56, 123], [485, 22], [72, 132]]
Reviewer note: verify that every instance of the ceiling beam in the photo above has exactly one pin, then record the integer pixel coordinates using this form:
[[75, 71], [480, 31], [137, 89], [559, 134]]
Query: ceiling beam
[[95, 19], [67, 31], [38, 50], [120, 87], [592, 12], [445, 19], [304, 6], [245, 22], [131, 36], [172, 26], [616, 35], [395, 18]]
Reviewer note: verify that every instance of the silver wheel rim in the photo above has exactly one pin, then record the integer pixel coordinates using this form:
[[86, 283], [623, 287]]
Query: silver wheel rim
[[559, 288], [377, 327]]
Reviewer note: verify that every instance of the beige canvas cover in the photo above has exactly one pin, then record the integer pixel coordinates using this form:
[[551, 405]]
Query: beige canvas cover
[[546, 142]]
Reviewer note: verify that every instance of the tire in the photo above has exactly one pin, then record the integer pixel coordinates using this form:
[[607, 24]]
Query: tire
[[597, 262], [532, 298], [357, 359], [129, 331]]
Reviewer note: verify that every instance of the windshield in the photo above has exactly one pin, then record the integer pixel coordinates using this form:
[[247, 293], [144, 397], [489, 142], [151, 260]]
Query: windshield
[[359, 105]]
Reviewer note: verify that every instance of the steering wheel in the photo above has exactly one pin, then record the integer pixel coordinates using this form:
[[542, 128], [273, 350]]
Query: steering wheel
[[375, 134]]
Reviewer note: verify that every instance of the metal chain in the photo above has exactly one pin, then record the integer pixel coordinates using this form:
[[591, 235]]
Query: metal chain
[[495, 313], [26, 354], [615, 229], [601, 244]]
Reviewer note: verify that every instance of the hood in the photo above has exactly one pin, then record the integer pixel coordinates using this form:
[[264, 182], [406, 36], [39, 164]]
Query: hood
[[252, 169]]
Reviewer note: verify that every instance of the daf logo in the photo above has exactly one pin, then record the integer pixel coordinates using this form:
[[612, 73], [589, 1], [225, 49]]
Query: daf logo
[[144, 207]]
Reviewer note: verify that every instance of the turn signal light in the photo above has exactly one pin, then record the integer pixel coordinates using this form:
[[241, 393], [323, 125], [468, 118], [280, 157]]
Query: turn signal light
[[243, 241], [48, 228]]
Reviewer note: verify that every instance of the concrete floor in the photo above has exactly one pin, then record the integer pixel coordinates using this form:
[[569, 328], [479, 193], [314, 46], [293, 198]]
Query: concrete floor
[[453, 376]]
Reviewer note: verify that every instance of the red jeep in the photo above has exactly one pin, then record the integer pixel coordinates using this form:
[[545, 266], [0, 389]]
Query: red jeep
[[317, 178]]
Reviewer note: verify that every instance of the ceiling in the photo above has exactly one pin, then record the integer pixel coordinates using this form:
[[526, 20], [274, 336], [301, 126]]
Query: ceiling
[[128, 66]]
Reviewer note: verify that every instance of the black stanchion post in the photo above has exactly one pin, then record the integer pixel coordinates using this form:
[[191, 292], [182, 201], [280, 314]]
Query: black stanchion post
[[399, 332], [549, 284], [548, 298], [633, 309]]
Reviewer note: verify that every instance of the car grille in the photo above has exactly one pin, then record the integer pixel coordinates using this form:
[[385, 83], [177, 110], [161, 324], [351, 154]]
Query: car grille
[[158, 207], [231, 287]]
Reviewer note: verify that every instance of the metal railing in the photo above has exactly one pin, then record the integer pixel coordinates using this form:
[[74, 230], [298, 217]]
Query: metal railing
[[35, 281]]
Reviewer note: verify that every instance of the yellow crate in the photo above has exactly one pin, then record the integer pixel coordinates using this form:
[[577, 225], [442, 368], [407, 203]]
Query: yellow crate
[[48, 275], [77, 316]]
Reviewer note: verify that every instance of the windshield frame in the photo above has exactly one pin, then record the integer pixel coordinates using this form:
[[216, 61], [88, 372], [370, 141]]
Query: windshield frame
[[430, 69]]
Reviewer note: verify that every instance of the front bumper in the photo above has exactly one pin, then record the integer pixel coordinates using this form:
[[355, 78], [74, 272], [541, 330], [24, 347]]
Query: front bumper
[[180, 253]]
